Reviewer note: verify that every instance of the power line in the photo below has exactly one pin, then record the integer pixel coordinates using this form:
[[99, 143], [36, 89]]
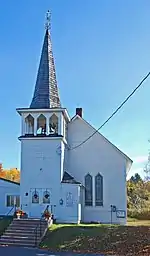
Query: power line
[[121, 105]]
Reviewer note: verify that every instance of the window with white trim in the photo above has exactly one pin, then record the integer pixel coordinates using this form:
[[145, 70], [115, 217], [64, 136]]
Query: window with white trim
[[88, 190], [99, 190], [46, 197], [13, 200], [35, 197]]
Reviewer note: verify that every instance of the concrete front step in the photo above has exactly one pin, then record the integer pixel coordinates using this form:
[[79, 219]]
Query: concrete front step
[[23, 222], [18, 244], [23, 233], [28, 219], [25, 227], [14, 227], [23, 241], [28, 223], [29, 242], [21, 236], [20, 232]]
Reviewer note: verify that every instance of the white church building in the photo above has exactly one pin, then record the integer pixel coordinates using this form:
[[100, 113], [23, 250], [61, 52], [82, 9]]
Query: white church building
[[81, 182]]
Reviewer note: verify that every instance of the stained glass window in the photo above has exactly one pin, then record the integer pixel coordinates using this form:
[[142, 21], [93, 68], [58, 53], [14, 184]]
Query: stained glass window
[[88, 190], [99, 190]]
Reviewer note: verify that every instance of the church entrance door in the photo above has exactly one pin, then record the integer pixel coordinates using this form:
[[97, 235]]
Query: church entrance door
[[39, 199]]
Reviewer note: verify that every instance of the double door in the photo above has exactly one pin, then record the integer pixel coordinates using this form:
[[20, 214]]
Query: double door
[[39, 199]]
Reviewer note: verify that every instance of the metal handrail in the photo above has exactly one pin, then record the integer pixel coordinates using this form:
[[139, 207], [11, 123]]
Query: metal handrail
[[10, 210], [14, 207], [36, 229]]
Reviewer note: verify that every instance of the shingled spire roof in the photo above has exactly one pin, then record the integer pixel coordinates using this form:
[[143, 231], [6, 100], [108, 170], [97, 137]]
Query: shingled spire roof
[[46, 91]]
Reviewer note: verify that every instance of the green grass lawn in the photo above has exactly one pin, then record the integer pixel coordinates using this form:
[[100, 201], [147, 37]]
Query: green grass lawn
[[107, 239], [4, 222]]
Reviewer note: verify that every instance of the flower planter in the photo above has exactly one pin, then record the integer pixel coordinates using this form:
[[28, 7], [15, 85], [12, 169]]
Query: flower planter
[[18, 216]]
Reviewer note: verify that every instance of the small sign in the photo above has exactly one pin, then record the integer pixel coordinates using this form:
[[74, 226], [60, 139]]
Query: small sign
[[121, 214], [69, 199]]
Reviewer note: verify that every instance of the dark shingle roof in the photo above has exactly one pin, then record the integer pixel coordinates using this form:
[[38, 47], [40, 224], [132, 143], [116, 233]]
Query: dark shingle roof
[[67, 178], [10, 181], [46, 91]]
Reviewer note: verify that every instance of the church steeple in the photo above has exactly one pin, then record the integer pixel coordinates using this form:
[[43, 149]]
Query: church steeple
[[46, 91]]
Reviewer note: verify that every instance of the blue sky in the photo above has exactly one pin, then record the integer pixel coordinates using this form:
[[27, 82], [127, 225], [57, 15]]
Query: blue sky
[[101, 50]]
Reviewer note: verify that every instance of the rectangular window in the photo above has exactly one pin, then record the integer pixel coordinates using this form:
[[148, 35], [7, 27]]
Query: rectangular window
[[12, 200]]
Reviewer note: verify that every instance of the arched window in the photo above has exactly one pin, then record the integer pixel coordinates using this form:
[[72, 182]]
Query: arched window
[[29, 121], [41, 124], [46, 197], [88, 190], [53, 124], [99, 190], [35, 197]]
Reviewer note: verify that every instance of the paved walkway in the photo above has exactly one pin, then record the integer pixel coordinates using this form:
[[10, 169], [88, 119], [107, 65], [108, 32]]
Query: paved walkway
[[18, 251]]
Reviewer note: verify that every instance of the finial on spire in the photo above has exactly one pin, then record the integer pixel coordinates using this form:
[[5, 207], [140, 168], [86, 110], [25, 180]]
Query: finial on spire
[[48, 20]]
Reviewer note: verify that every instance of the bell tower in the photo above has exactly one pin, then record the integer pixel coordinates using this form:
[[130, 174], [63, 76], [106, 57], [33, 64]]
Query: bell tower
[[43, 137]]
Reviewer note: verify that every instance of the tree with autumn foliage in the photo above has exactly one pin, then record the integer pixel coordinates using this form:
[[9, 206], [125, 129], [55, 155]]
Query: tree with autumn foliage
[[147, 169], [12, 174], [138, 192]]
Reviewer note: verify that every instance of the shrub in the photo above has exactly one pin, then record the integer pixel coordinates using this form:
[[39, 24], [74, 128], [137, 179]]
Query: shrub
[[143, 214]]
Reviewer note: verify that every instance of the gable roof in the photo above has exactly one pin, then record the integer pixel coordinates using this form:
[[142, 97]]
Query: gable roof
[[67, 178], [119, 151], [10, 181]]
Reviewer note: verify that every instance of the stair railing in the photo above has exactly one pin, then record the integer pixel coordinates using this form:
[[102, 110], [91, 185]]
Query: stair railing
[[38, 227], [10, 211], [13, 208], [7, 214]]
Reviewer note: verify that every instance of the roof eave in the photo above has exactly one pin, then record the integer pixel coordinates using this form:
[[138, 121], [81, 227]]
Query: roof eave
[[11, 181], [42, 110]]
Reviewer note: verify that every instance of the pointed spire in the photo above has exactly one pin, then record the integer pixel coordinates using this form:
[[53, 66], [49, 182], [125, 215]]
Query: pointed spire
[[46, 91]]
